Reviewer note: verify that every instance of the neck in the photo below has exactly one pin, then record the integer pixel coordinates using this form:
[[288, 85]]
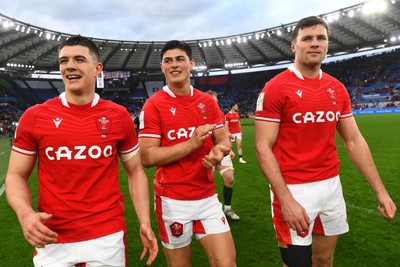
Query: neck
[[179, 89], [309, 71], [79, 98]]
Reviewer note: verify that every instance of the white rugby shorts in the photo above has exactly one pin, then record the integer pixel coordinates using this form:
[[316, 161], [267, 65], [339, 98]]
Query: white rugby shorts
[[226, 161], [108, 250], [236, 136], [324, 204], [179, 220]]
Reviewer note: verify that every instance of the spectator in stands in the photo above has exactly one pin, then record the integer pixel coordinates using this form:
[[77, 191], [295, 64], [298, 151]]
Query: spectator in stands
[[234, 128], [76, 138], [295, 146], [225, 168], [182, 133]]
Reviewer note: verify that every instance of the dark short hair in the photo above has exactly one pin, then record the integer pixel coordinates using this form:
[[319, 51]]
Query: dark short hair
[[83, 41], [173, 44], [309, 22], [232, 104]]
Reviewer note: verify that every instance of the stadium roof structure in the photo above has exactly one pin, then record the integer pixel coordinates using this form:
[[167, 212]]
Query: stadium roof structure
[[25, 47]]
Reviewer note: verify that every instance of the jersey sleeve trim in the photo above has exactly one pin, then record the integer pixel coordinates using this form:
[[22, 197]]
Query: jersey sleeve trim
[[127, 156], [346, 115], [219, 126], [267, 119], [23, 151], [150, 135], [129, 150]]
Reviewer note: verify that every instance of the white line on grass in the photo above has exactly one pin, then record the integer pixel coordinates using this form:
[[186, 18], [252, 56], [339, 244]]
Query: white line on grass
[[369, 211], [2, 189]]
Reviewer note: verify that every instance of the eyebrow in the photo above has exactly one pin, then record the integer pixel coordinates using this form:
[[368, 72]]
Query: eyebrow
[[77, 56], [180, 56]]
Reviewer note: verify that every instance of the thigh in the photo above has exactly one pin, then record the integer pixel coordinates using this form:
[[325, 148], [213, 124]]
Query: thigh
[[219, 249], [323, 249], [179, 256]]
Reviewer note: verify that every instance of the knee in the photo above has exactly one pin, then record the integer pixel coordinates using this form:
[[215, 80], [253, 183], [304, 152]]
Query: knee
[[228, 182], [321, 261], [226, 261]]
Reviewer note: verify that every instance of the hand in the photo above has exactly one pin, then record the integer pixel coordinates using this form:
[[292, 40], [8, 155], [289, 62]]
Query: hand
[[200, 134], [35, 231], [295, 216], [149, 242], [386, 206], [215, 156]]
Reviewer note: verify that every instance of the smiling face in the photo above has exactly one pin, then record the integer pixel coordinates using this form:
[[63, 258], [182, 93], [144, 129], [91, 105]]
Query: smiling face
[[176, 67], [310, 46], [79, 68]]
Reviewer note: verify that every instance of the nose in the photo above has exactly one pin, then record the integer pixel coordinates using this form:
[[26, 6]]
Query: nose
[[314, 42]]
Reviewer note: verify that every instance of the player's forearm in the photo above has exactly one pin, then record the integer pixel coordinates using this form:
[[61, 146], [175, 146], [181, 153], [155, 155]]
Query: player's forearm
[[18, 195], [271, 170], [360, 155], [157, 155], [139, 191]]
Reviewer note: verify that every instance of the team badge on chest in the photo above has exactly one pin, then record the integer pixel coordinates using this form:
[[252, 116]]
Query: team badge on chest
[[331, 94], [202, 109], [103, 125]]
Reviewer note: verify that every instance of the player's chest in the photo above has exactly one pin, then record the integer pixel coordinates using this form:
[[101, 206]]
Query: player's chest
[[77, 128]]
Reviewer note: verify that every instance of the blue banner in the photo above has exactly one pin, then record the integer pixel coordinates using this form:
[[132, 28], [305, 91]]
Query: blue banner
[[376, 111]]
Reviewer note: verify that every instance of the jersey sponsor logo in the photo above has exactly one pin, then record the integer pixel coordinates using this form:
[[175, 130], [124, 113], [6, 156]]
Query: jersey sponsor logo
[[316, 117], [103, 124], [57, 122], [173, 110], [78, 152], [299, 93], [180, 133]]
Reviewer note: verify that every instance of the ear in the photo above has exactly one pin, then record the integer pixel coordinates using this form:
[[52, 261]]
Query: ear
[[99, 68], [192, 63], [293, 47]]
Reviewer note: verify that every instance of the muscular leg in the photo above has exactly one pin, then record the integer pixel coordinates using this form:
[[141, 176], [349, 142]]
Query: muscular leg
[[180, 257], [239, 147], [220, 249], [323, 250]]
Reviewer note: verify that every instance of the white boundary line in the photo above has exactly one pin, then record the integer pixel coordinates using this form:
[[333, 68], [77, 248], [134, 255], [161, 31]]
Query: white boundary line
[[2, 189], [369, 211]]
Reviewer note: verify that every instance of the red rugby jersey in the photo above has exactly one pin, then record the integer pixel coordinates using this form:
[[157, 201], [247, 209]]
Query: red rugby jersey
[[173, 119], [233, 119], [77, 150], [308, 111]]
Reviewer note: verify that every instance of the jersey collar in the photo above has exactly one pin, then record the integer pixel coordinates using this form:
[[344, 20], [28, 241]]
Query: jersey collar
[[171, 94], [293, 69], [65, 102]]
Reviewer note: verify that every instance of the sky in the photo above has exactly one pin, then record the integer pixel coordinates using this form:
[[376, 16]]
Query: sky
[[162, 20]]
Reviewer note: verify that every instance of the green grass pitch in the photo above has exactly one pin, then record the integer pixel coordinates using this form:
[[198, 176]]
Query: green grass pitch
[[372, 240]]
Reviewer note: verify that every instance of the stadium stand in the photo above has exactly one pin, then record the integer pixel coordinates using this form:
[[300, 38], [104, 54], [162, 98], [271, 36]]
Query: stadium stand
[[373, 82]]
